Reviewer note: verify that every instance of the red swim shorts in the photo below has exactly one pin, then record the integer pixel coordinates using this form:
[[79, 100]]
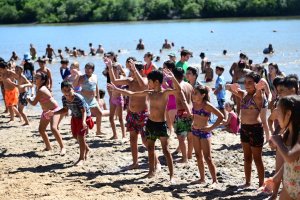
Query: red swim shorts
[[77, 128]]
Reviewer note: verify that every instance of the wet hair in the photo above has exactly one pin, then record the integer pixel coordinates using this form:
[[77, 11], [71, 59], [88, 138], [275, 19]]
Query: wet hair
[[250, 62], [202, 55], [101, 93], [156, 75], [291, 103], [90, 65], [149, 54], [203, 90], [194, 71], [262, 70], [220, 67], [130, 58], [253, 76], [139, 65], [277, 81], [242, 64], [185, 53], [67, 84], [291, 81], [170, 65], [224, 52], [178, 73], [3, 65]]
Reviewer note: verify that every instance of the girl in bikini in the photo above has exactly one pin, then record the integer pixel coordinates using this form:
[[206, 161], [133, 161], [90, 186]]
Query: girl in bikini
[[251, 133], [201, 130], [288, 146], [48, 103]]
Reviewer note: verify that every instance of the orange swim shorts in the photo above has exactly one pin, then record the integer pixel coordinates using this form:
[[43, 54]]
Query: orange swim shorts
[[11, 97]]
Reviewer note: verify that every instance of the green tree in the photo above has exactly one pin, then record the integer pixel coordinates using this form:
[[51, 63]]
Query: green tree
[[158, 9], [192, 9], [8, 14]]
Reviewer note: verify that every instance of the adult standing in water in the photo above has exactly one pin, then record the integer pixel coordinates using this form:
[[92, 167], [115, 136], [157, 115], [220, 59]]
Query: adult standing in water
[[33, 52], [140, 45], [49, 53]]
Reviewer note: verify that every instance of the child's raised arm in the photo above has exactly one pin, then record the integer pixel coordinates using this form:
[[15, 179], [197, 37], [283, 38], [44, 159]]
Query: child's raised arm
[[114, 80], [235, 89], [112, 87]]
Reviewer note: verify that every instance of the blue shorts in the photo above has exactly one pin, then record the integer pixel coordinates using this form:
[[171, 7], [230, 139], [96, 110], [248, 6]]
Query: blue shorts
[[221, 103]]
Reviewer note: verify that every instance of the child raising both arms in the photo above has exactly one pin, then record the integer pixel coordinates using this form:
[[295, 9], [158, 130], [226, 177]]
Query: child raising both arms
[[156, 127]]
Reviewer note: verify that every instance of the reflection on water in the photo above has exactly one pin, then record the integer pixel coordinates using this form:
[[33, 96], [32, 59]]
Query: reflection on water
[[248, 35]]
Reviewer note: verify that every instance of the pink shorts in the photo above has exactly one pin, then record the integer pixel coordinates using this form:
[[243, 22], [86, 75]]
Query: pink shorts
[[171, 103], [117, 101]]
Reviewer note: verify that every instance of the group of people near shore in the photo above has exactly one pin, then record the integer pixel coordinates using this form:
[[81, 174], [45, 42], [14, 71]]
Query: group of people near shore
[[166, 100]]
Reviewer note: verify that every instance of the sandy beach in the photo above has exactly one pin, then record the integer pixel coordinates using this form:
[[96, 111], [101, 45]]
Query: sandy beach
[[29, 173]]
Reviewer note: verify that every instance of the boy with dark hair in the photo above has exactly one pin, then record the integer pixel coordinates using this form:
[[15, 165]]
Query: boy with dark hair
[[137, 114], [219, 89], [184, 57], [192, 75], [81, 119], [156, 127], [64, 69]]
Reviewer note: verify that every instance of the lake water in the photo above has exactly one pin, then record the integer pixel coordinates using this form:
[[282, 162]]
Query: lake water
[[234, 35]]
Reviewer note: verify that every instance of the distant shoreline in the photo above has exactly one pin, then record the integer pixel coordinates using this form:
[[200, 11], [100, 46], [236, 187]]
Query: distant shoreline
[[248, 18]]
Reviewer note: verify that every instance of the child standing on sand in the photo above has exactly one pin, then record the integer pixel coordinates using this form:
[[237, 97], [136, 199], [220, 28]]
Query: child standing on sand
[[23, 83], [251, 132], [201, 131], [11, 92], [156, 127], [48, 103], [81, 119]]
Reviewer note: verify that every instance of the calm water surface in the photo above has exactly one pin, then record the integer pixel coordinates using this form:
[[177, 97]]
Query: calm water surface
[[247, 35]]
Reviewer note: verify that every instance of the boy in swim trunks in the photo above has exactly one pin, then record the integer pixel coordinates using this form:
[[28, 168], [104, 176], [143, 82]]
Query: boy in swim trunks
[[11, 92], [183, 119], [156, 127], [137, 114], [81, 119], [23, 83]]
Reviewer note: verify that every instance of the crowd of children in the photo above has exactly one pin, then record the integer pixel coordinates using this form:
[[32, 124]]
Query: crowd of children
[[167, 100]]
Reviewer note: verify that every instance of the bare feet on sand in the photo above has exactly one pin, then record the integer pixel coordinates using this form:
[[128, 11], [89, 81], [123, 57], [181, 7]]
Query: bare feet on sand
[[150, 175], [158, 167], [133, 166], [63, 151], [200, 181], [79, 163], [114, 138]]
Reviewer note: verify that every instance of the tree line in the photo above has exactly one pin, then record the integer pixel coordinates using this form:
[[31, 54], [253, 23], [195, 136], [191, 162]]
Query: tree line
[[57, 11]]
